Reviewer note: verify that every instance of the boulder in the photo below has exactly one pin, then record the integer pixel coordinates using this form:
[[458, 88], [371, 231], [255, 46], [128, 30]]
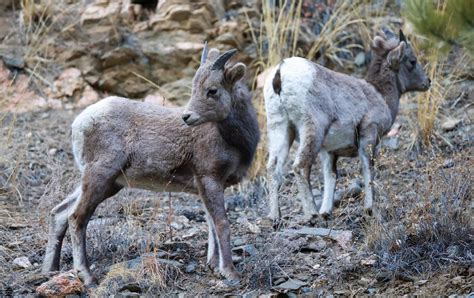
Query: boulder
[[68, 83], [123, 81], [157, 98], [89, 96], [100, 12], [67, 283], [178, 92], [18, 96], [230, 33], [185, 15], [118, 56]]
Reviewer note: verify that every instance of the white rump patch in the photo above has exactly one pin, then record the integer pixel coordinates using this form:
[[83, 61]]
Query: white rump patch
[[83, 122]]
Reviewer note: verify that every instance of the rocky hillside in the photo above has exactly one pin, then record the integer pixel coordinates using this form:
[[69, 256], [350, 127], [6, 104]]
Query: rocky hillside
[[58, 56], [76, 50], [73, 52]]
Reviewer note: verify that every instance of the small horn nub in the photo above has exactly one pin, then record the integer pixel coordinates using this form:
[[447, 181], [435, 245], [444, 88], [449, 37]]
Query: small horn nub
[[204, 54], [222, 59], [402, 36]]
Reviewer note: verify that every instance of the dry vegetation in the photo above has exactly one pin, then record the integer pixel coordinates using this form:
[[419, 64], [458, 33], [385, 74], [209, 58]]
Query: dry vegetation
[[418, 242]]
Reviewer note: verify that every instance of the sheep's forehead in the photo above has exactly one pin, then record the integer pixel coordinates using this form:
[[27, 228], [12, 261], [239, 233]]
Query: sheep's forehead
[[205, 76], [409, 51]]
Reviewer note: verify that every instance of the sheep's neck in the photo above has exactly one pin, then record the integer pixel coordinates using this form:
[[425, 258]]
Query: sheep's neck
[[385, 82], [240, 130]]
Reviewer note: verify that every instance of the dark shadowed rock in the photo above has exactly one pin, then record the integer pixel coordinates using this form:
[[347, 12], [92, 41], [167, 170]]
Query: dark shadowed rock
[[245, 250], [191, 267]]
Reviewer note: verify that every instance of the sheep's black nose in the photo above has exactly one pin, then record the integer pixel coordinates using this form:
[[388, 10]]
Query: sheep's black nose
[[429, 81], [186, 116]]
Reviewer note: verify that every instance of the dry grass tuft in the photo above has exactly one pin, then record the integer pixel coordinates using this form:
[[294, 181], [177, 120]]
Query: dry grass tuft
[[436, 233], [443, 75], [144, 275], [276, 38], [335, 40], [273, 255]]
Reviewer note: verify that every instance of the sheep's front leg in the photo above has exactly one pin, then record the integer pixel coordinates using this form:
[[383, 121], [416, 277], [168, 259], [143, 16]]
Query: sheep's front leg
[[212, 193], [212, 245], [367, 146], [329, 170]]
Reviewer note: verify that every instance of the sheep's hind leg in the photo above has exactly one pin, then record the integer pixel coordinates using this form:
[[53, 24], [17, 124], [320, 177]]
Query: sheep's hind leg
[[367, 145], [98, 184], [280, 139], [307, 151], [328, 161], [57, 230]]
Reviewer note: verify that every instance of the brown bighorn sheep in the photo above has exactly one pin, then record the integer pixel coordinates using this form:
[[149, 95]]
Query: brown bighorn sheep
[[119, 143], [335, 115]]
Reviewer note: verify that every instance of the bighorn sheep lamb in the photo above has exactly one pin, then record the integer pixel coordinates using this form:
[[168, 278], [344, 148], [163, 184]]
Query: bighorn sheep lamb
[[119, 143], [335, 115]]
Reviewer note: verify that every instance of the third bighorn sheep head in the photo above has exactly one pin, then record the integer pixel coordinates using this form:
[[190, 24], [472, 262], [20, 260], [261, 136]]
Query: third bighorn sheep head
[[401, 59]]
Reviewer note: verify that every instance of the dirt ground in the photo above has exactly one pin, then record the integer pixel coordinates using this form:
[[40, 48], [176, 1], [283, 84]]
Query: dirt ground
[[37, 171]]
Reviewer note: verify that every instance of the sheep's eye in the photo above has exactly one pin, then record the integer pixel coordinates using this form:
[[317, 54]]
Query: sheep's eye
[[211, 92]]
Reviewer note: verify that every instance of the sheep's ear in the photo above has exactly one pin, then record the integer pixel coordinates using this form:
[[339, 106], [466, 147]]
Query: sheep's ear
[[395, 56], [213, 54], [378, 45], [235, 73]]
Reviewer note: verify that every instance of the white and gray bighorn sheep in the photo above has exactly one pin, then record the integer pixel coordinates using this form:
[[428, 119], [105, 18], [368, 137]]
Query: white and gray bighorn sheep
[[119, 143], [335, 115]]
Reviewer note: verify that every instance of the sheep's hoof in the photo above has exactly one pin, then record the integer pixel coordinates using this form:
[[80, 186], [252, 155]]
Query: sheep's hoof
[[277, 223], [232, 276], [213, 264], [90, 287], [368, 211], [326, 216], [311, 220], [274, 216], [88, 279]]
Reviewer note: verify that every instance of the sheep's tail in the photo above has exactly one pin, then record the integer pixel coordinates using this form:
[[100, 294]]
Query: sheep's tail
[[276, 83]]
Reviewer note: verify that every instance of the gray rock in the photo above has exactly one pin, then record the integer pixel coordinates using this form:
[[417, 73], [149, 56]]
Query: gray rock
[[278, 281], [391, 143], [360, 59], [191, 267], [22, 263], [239, 241], [245, 250], [291, 284], [448, 163], [450, 124], [15, 62]]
